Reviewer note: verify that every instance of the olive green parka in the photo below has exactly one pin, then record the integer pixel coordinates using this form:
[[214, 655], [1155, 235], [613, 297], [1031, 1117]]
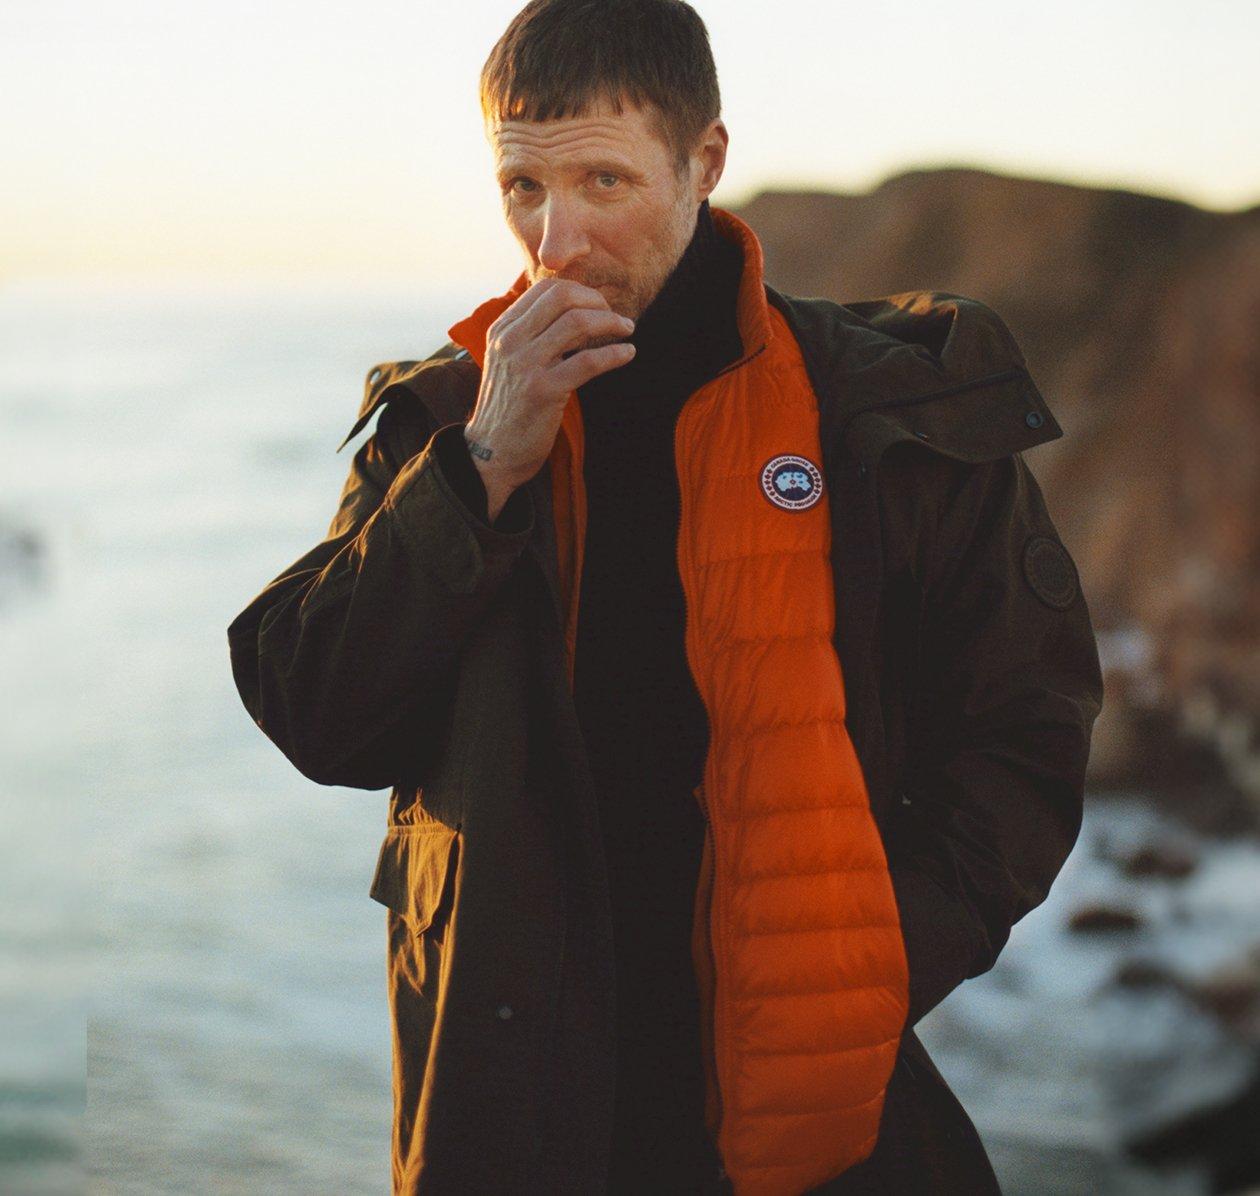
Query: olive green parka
[[419, 650]]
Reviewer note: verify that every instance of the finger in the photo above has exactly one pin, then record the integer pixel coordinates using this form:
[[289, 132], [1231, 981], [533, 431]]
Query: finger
[[579, 369], [553, 297], [519, 307], [578, 326]]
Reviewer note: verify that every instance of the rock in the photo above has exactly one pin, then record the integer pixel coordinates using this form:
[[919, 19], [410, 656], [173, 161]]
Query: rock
[[1145, 973], [1166, 859], [22, 561], [1099, 916], [1139, 329], [1232, 993], [1223, 1135]]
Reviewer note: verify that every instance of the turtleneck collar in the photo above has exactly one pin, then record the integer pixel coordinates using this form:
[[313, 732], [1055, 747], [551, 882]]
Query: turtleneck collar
[[707, 250]]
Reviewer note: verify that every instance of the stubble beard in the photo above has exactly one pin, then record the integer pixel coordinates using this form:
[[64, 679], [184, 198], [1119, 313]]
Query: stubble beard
[[631, 295]]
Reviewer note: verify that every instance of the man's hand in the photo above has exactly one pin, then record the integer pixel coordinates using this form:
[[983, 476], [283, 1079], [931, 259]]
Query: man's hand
[[558, 335]]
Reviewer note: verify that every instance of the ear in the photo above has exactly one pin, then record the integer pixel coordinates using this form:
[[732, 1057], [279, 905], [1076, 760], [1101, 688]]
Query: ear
[[708, 159]]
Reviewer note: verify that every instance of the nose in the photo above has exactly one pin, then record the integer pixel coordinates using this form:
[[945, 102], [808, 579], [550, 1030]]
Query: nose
[[564, 239]]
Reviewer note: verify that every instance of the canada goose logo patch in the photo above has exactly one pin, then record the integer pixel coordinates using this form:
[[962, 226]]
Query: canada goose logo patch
[[792, 482]]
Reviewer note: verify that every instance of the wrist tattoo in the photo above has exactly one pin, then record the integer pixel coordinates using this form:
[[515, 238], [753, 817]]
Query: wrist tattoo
[[479, 450]]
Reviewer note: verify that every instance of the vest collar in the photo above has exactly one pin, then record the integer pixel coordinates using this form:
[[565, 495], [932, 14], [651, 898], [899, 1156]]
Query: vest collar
[[752, 313]]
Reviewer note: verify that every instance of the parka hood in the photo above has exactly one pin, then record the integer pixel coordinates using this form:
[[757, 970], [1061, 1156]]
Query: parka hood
[[932, 366]]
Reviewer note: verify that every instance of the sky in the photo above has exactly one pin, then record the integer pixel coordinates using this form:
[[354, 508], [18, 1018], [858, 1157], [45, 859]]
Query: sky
[[232, 142]]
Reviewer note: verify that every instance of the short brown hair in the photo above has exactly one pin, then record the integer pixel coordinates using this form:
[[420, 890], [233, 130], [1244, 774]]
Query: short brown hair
[[558, 57]]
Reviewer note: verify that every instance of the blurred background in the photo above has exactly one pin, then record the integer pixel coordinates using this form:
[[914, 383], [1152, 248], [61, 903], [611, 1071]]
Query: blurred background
[[215, 218]]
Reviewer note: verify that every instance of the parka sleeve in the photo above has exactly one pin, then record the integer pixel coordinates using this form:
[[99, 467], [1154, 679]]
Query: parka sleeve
[[1010, 686], [345, 660]]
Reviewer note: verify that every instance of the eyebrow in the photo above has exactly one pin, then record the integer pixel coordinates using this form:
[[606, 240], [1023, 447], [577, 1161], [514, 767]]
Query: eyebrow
[[606, 166], [588, 166]]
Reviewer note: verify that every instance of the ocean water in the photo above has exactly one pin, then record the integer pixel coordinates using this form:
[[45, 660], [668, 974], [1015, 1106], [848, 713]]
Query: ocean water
[[193, 973], [186, 921]]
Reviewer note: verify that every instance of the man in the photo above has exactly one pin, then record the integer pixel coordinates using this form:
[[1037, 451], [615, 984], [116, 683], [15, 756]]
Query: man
[[732, 684]]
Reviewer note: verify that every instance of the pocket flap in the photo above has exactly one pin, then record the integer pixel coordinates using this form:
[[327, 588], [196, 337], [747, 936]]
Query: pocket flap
[[411, 870]]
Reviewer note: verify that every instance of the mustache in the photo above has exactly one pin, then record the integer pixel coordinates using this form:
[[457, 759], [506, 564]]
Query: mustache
[[586, 278]]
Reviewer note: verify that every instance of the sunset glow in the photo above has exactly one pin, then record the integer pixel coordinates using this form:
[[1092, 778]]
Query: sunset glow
[[236, 141]]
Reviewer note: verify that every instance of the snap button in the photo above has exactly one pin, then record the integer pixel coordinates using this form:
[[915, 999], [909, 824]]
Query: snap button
[[862, 469], [1033, 419], [922, 435], [505, 1012]]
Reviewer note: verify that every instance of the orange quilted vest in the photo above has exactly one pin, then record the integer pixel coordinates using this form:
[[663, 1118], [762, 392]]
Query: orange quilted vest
[[796, 939]]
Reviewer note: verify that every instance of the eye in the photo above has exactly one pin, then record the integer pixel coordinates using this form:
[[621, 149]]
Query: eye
[[606, 182], [520, 185]]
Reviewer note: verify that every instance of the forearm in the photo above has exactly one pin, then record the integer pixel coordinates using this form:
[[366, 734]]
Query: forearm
[[363, 631]]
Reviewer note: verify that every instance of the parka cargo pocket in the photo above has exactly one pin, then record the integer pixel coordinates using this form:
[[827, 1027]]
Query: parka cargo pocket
[[414, 873]]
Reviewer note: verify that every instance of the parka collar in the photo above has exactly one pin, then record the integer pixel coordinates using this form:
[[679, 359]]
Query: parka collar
[[752, 310]]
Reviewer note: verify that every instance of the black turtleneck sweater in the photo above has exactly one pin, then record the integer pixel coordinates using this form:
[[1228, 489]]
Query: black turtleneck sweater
[[642, 718]]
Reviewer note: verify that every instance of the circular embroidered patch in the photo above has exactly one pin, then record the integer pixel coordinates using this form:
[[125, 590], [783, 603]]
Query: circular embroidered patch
[[1050, 572], [792, 482]]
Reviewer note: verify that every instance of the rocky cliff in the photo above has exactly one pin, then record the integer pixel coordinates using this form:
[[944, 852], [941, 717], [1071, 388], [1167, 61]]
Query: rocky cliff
[[1140, 320]]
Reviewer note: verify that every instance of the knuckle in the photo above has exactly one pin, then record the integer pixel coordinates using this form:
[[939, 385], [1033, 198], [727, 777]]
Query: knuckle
[[573, 292]]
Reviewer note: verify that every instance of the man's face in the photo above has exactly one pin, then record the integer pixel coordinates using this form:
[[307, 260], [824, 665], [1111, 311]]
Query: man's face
[[596, 199]]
